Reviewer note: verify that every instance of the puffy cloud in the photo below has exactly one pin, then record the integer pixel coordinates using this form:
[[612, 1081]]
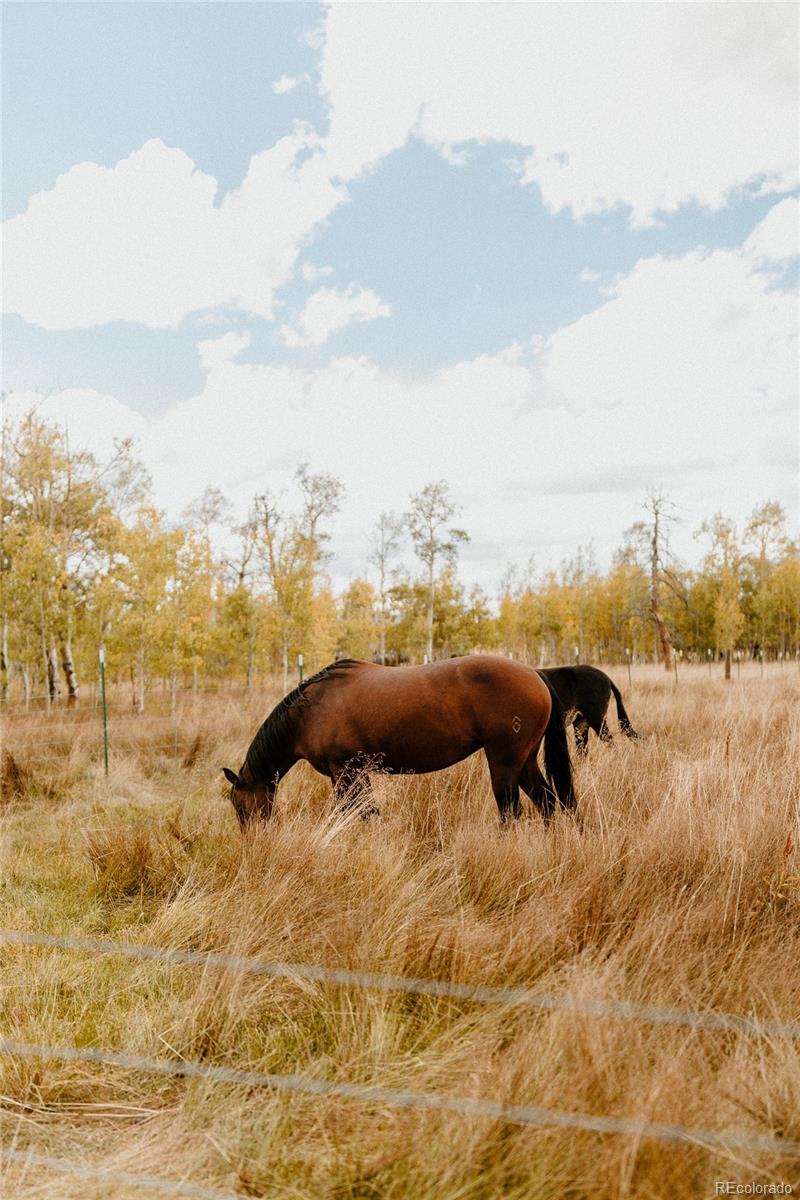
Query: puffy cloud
[[776, 239], [330, 309], [647, 105], [287, 83], [214, 352], [685, 376], [143, 240], [690, 361], [93, 419]]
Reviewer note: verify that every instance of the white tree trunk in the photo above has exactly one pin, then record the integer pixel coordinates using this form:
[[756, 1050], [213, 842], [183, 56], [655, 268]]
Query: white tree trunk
[[663, 639], [140, 680], [53, 685], [70, 674]]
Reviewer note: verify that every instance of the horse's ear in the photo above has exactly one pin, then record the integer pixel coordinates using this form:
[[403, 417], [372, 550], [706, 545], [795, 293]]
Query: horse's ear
[[231, 777]]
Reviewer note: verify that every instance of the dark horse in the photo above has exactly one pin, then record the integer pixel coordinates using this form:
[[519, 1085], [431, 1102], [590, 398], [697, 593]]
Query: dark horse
[[585, 693], [354, 717]]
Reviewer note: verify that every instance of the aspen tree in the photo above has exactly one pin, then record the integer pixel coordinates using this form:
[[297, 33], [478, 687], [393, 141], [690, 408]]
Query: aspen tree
[[435, 541]]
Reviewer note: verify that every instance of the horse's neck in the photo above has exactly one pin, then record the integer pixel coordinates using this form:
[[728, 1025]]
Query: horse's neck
[[269, 773], [286, 755], [283, 763], [282, 757]]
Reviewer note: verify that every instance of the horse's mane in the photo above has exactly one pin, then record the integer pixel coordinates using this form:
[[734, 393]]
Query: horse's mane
[[270, 740]]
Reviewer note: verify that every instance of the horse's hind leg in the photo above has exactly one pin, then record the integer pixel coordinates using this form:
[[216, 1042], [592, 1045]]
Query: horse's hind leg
[[505, 785], [593, 713], [534, 784], [580, 728]]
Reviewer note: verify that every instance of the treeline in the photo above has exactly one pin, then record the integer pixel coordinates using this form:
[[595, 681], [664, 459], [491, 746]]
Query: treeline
[[87, 560]]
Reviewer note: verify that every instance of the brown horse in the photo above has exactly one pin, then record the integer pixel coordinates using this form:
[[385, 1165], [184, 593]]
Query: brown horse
[[354, 717]]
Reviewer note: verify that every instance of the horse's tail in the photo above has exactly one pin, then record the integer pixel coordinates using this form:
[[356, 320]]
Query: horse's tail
[[622, 716], [557, 763]]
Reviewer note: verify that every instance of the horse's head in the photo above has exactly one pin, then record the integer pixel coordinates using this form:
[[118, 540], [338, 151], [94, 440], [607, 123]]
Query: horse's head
[[251, 800]]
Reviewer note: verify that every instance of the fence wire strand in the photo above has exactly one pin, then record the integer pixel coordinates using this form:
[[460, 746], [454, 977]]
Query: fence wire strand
[[477, 993], [403, 1098], [173, 1187], [80, 756]]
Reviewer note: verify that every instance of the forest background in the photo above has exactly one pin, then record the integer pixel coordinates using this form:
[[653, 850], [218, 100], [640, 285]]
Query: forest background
[[87, 560]]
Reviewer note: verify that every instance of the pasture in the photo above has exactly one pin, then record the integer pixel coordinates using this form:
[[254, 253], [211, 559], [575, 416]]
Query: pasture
[[681, 890]]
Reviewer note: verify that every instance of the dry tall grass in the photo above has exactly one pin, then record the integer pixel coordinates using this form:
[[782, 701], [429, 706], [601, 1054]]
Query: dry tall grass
[[682, 889]]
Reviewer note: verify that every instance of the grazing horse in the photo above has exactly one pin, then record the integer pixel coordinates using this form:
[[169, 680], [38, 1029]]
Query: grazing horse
[[354, 717], [585, 693]]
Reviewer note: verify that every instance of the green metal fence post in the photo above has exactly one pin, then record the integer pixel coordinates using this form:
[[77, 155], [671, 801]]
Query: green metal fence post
[[103, 701]]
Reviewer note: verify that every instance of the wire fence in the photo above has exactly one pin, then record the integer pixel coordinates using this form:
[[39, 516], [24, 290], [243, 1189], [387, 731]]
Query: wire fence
[[76, 742], [181, 744], [157, 698], [156, 1183], [524, 1115], [403, 1098], [90, 717], [77, 751], [91, 720], [134, 725], [477, 993]]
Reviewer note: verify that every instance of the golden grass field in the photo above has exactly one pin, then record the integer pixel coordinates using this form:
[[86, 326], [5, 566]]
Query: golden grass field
[[682, 889]]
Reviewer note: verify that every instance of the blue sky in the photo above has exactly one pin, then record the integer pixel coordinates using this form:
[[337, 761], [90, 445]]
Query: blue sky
[[93, 81], [443, 211]]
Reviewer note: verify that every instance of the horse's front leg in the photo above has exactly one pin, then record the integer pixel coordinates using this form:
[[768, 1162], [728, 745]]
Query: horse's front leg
[[352, 789]]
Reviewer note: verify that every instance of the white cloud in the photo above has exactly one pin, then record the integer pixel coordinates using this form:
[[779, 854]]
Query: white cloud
[[330, 309], [685, 376], [92, 419], [287, 83], [309, 271], [216, 351], [143, 241], [648, 105], [777, 238]]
